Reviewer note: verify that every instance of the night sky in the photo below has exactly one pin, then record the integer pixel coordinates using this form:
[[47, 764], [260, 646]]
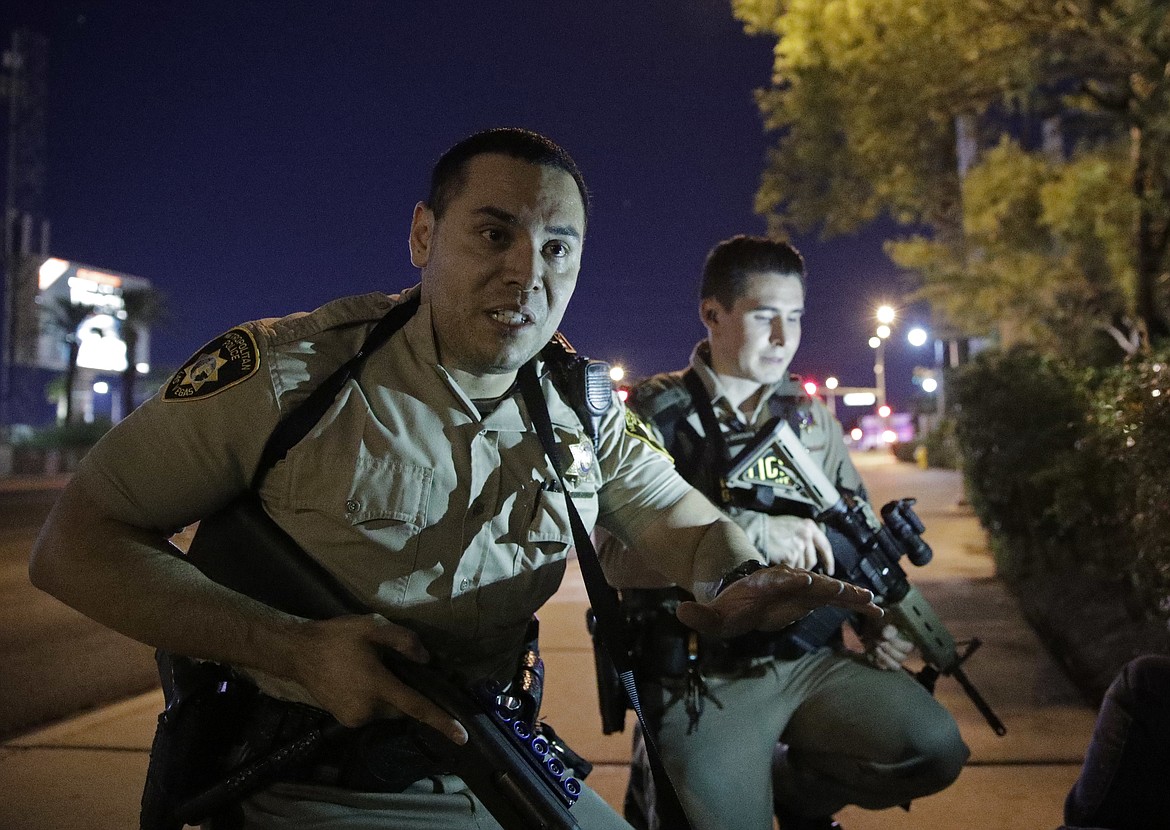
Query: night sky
[[256, 158]]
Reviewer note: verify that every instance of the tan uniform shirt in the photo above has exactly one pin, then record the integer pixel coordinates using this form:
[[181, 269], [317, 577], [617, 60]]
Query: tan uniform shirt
[[429, 512]]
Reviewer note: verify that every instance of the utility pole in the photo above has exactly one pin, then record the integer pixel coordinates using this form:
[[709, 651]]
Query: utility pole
[[23, 86]]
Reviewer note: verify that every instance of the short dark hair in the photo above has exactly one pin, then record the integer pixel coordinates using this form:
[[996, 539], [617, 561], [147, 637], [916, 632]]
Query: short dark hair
[[449, 173], [732, 262]]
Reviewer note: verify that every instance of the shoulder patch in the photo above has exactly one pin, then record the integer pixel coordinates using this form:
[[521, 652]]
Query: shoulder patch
[[636, 428], [227, 360]]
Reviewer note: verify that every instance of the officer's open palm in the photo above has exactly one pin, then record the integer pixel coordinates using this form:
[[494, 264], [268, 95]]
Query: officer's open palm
[[798, 543], [770, 599], [339, 664]]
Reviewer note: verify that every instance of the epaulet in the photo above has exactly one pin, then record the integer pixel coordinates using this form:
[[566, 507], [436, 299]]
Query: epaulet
[[559, 350], [661, 399], [359, 310]]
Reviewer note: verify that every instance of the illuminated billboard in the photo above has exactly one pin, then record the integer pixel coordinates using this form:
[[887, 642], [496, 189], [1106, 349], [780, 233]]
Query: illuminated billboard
[[61, 303]]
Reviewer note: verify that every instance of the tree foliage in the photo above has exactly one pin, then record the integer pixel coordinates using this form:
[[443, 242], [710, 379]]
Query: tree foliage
[[865, 97], [884, 106], [1049, 248]]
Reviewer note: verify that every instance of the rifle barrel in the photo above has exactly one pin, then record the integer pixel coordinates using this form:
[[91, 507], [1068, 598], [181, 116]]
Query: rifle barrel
[[994, 722]]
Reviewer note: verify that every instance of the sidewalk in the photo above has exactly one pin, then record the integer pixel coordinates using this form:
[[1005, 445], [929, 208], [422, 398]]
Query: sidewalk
[[87, 772], [30, 482]]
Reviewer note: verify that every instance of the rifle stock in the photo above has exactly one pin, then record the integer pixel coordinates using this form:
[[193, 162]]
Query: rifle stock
[[507, 767]]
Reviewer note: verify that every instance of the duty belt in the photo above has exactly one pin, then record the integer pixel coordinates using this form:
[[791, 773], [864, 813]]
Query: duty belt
[[663, 643]]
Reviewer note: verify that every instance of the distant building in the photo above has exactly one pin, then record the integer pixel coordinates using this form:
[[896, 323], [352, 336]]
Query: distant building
[[34, 348], [40, 344]]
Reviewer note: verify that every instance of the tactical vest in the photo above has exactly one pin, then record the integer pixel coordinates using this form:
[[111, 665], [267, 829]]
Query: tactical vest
[[697, 459]]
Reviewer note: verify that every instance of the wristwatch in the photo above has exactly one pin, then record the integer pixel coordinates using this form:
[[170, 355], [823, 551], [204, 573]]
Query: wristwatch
[[739, 572]]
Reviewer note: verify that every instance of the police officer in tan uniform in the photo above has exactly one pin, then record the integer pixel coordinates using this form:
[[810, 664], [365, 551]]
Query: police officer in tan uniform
[[423, 489], [853, 728]]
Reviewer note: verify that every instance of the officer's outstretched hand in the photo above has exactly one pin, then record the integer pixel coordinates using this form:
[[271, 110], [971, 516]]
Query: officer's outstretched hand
[[339, 664], [770, 599]]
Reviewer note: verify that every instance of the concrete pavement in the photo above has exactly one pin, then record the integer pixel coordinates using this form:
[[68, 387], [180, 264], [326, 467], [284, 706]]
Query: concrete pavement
[[87, 772], [29, 482]]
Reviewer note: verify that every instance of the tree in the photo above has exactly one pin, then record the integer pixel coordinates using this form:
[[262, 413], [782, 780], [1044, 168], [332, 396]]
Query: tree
[[869, 99], [69, 316], [883, 106], [1116, 56], [1051, 262], [143, 307]]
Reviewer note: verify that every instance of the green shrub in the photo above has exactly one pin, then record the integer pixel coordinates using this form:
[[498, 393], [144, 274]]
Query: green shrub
[[904, 450], [942, 446], [1067, 469], [1129, 420], [1018, 417]]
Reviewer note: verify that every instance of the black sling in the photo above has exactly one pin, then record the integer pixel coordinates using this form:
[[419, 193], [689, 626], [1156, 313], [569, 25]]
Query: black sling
[[604, 600]]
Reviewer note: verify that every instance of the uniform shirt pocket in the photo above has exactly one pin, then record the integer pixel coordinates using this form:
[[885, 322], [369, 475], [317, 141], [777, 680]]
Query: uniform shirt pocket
[[389, 491], [550, 528], [540, 558], [365, 525], [814, 441]]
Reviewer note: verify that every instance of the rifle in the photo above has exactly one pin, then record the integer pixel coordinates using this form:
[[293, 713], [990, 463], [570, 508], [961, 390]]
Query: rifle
[[781, 473], [518, 772]]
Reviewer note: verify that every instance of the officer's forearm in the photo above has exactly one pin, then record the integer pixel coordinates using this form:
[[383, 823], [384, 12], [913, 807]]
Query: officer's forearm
[[127, 579], [695, 545]]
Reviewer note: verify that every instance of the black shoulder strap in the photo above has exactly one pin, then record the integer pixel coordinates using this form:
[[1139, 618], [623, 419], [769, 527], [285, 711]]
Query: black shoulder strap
[[786, 407], [712, 432], [297, 424], [602, 597]]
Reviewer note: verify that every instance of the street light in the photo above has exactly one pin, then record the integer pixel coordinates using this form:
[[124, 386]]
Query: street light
[[929, 380], [879, 367], [885, 315]]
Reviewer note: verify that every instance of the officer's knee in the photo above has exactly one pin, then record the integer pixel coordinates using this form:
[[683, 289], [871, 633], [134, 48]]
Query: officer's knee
[[941, 755], [925, 767]]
